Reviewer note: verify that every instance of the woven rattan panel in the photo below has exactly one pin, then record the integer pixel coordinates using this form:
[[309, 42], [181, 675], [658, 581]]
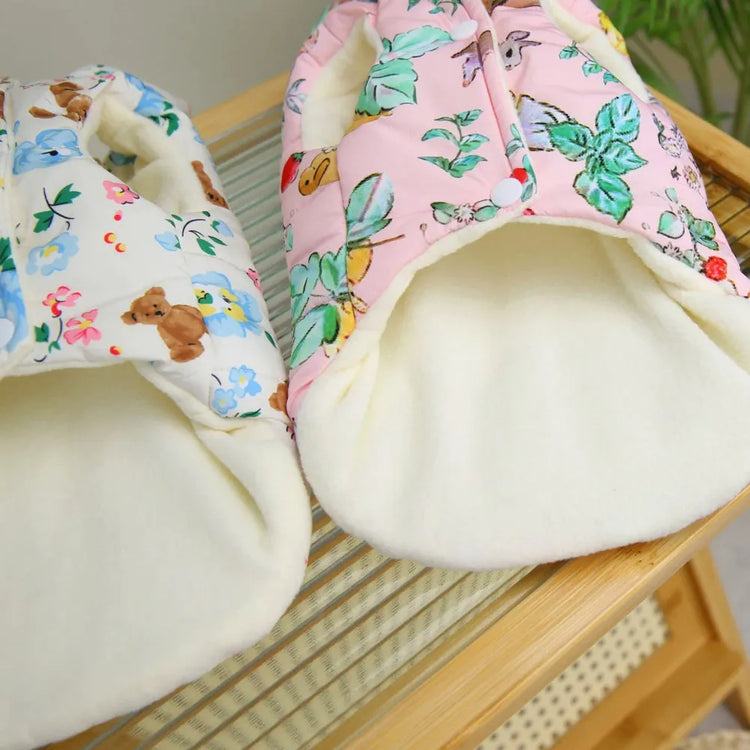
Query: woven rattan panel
[[586, 682], [361, 620]]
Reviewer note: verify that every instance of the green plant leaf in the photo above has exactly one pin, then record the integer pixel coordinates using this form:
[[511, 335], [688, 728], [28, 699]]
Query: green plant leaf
[[389, 85], [442, 212], [571, 139], [6, 257], [302, 280], [472, 142], [205, 245], [438, 161], [440, 133], [419, 41], [65, 196], [321, 324], [468, 117], [607, 193], [621, 116], [485, 210], [566, 53], [333, 271], [369, 204], [609, 78], [620, 158], [41, 333], [463, 164], [670, 225]]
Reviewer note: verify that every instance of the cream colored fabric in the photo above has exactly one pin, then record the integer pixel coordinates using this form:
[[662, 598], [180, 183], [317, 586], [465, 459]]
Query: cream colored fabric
[[535, 395]]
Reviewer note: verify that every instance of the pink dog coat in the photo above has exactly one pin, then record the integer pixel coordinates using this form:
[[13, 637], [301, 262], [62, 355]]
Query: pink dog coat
[[519, 333]]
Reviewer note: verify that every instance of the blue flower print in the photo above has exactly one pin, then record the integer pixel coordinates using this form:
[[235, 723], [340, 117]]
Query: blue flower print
[[222, 228], [168, 240], [54, 255], [151, 103], [51, 147], [224, 400], [244, 381], [227, 311], [13, 310]]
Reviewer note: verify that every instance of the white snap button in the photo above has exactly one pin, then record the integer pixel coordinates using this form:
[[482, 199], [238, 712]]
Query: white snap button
[[506, 191], [464, 30], [7, 329]]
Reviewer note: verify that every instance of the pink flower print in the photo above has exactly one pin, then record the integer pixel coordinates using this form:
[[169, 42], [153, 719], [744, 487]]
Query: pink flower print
[[255, 278], [82, 329], [119, 192], [63, 297]]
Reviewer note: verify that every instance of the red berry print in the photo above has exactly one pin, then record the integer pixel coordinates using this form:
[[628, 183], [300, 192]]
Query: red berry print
[[520, 174], [290, 170], [115, 351], [118, 216], [715, 268]]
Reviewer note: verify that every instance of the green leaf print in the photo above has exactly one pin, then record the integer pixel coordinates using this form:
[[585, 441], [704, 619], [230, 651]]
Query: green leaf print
[[609, 78], [620, 158], [320, 325], [438, 161], [591, 68], [460, 164], [571, 139], [271, 339], [65, 196], [701, 231], [670, 225], [205, 245], [440, 133], [302, 279], [622, 117], [530, 185], [369, 204], [468, 117], [41, 333], [606, 192], [566, 53], [248, 414], [485, 210], [6, 258], [442, 212], [333, 272], [43, 221], [472, 142], [389, 85], [459, 167], [412, 4], [392, 80], [419, 41]]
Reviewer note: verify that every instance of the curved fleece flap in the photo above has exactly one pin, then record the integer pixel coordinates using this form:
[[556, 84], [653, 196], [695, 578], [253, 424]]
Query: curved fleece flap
[[147, 532]]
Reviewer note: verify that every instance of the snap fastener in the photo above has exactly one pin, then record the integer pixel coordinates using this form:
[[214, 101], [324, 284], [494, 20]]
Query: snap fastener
[[464, 30], [7, 329], [506, 191]]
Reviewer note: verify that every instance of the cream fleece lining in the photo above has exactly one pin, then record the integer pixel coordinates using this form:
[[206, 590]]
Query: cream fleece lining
[[534, 395]]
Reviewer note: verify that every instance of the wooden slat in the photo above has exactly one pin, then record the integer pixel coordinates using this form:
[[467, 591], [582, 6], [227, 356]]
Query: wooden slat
[[712, 146], [506, 666], [720, 615], [681, 702]]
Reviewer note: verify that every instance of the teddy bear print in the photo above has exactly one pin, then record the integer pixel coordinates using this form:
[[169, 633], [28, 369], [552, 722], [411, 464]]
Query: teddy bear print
[[212, 194], [67, 94], [180, 326]]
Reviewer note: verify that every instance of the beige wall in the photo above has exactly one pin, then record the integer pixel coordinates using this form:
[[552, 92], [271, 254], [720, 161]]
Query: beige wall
[[201, 50]]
